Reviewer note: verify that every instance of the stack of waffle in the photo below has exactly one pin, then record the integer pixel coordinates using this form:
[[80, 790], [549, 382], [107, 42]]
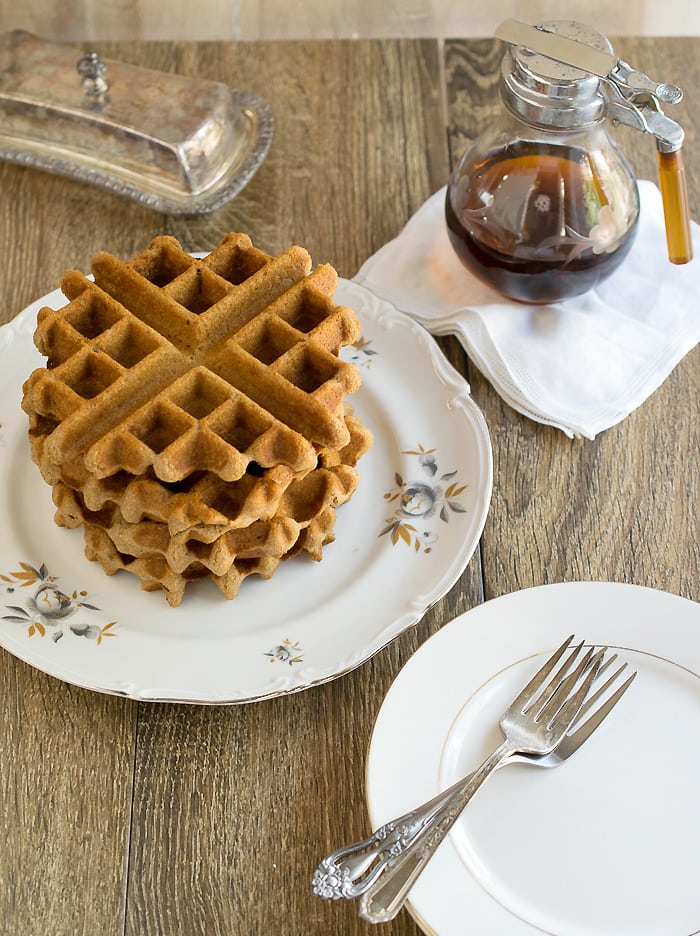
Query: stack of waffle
[[191, 416]]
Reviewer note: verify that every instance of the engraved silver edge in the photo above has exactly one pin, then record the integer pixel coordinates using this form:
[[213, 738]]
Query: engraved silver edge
[[214, 198]]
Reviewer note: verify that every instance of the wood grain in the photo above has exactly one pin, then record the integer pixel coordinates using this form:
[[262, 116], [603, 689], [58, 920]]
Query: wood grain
[[67, 754], [165, 820], [65, 801]]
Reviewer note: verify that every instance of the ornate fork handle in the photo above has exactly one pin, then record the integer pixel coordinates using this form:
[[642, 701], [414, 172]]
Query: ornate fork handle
[[387, 894], [352, 870]]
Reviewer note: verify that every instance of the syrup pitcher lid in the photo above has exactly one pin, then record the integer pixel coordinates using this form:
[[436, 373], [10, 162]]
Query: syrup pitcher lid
[[552, 93], [565, 75]]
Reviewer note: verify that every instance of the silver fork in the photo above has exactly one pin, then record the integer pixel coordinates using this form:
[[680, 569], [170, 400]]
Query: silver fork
[[383, 899], [340, 874]]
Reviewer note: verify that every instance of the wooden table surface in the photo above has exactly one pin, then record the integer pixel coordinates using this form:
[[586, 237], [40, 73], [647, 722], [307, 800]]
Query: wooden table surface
[[124, 817]]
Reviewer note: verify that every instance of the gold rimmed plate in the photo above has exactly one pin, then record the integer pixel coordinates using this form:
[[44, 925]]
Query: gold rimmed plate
[[603, 845], [401, 543]]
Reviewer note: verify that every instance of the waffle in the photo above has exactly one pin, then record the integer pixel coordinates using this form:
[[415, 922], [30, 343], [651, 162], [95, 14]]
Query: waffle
[[160, 561], [203, 505], [155, 573], [191, 410], [303, 502], [303, 521], [167, 361]]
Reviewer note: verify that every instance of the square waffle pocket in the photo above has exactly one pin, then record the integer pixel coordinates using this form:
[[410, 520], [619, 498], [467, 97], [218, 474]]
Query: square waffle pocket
[[192, 401]]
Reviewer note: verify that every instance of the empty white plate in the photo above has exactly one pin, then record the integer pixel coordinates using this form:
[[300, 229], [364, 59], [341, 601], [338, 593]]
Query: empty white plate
[[605, 844]]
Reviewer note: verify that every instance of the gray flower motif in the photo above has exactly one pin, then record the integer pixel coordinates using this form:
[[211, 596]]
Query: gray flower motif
[[286, 652], [428, 464], [361, 353], [419, 501], [47, 608], [49, 604]]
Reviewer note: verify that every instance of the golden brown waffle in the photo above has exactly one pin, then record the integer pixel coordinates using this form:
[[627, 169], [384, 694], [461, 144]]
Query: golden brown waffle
[[175, 364], [155, 573], [191, 414], [204, 506], [304, 521], [301, 504]]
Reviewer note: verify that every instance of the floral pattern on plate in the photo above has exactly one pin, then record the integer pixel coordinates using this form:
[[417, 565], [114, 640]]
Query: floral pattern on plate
[[433, 497], [312, 621], [47, 607], [362, 353], [286, 652]]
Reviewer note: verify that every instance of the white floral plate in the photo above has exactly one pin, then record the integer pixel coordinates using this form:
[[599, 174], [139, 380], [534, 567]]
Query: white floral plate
[[605, 844], [401, 543]]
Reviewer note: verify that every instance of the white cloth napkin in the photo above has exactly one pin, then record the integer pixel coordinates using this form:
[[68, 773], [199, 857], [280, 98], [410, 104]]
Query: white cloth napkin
[[582, 364]]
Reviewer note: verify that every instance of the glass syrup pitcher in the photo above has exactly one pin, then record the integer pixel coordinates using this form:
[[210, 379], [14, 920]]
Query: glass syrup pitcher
[[544, 205]]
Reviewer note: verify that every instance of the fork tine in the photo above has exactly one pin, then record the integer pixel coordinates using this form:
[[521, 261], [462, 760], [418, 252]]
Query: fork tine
[[538, 680], [568, 711], [583, 729], [595, 696], [552, 685], [552, 700], [606, 664]]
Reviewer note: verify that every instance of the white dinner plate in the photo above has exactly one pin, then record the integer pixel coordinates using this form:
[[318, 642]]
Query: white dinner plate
[[606, 844], [401, 543]]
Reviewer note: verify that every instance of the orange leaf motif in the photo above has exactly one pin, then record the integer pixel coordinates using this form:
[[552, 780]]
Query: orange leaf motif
[[105, 632]]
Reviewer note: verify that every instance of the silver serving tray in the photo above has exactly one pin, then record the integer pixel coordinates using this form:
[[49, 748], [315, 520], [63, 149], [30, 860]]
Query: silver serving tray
[[177, 144]]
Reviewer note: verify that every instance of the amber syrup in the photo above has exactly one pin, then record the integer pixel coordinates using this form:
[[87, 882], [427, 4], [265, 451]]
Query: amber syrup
[[528, 264]]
